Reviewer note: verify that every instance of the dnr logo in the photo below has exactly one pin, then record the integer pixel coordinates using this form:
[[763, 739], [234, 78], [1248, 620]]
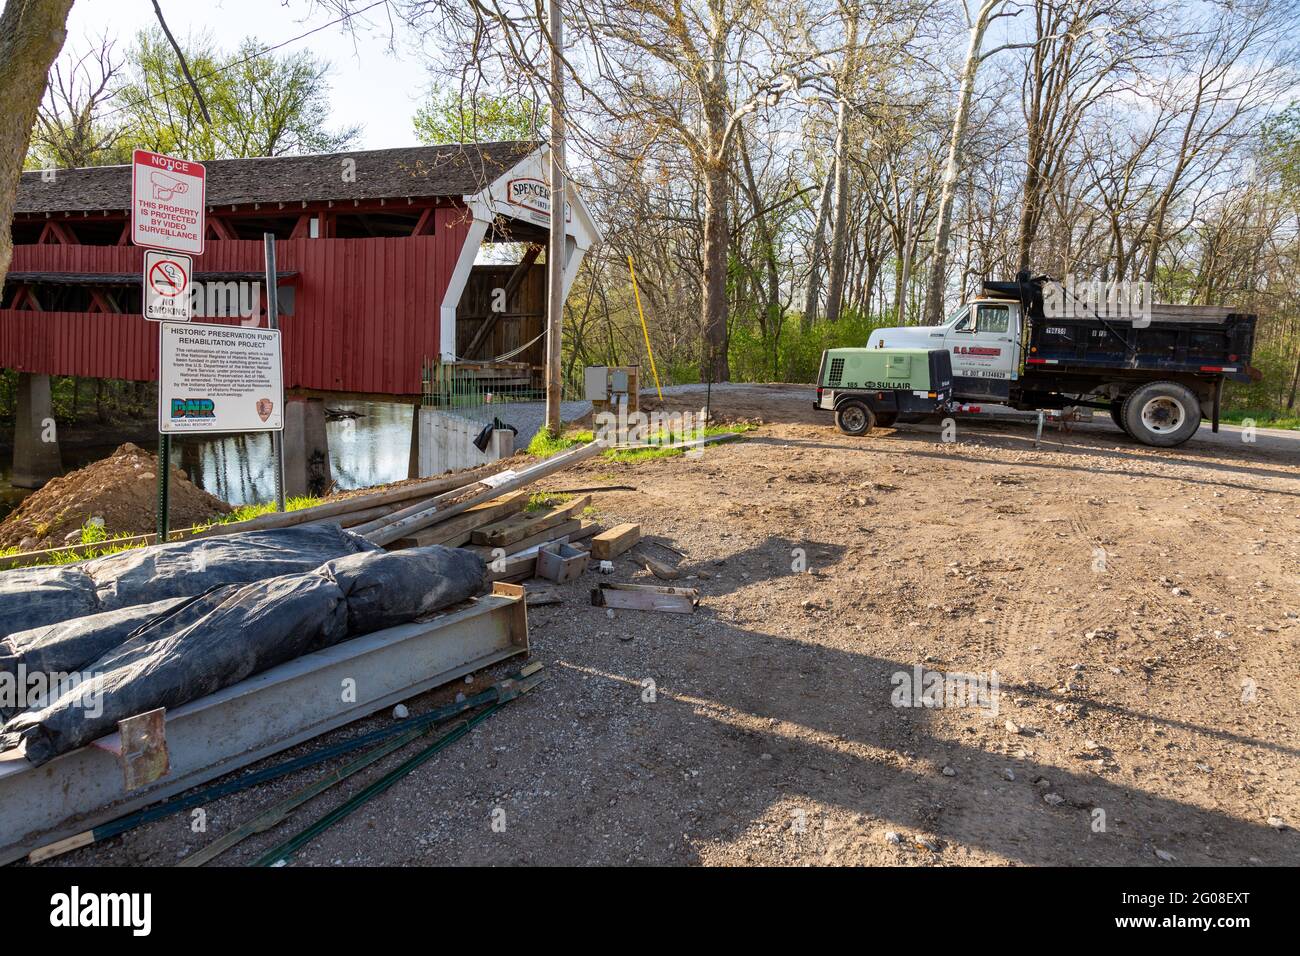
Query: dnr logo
[[193, 408]]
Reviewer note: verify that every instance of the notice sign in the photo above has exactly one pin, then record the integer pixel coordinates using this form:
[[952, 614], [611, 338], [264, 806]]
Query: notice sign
[[167, 203], [219, 378], [167, 277]]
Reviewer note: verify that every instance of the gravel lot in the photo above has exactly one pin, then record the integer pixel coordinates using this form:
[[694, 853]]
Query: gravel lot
[[1139, 607]]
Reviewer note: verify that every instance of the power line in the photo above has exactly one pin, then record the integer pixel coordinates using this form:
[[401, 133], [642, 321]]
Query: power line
[[248, 59]]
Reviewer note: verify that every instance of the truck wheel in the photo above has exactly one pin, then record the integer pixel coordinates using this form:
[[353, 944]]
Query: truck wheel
[[855, 418], [887, 419], [1117, 415], [1163, 414]]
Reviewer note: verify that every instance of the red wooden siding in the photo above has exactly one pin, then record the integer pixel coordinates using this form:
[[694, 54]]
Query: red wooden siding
[[366, 311]]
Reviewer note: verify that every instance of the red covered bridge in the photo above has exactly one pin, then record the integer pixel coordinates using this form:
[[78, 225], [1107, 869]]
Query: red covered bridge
[[375, 252]]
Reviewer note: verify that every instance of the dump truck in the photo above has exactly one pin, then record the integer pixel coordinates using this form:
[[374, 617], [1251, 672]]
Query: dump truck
[[1157, 374], [866, 387]]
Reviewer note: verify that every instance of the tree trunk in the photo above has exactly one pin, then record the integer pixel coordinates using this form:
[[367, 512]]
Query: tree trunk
[[101, 411], [1295, 382], [1029, 211], [943, 222], [905, 274], [714, 299], [772, 295], [869, 283], [839, 234], [813, 293], [1157, 239], [31, 34]]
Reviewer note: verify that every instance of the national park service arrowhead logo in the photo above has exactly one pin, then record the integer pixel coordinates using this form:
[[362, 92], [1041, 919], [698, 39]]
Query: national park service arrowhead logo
[[264, 406]]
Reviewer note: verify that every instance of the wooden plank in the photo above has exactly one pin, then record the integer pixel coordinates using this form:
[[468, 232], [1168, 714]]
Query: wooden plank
[[357, 517], [523, 564], [610, 544], [535, 595], [526, 524], [493, 489], [485, 551], [456, 531], [520, 567], [661, 570], [645, 597], [422, 505], [329, 509]]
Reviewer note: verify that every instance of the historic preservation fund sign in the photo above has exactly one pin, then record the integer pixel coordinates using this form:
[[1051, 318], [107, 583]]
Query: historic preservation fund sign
[[219, 378]]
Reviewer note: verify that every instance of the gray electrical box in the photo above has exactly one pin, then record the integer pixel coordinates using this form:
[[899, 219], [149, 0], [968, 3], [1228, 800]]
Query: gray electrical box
[[595, 381]]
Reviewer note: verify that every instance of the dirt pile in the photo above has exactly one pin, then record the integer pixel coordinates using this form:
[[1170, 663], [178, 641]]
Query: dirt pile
[[121, 489]]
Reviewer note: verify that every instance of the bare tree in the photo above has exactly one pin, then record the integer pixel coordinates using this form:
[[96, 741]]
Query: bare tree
[[977, 27], [71, 130], [31, 35], [1240, 61]]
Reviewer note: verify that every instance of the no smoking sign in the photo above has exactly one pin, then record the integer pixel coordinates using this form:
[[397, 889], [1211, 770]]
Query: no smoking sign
[[167, 277]]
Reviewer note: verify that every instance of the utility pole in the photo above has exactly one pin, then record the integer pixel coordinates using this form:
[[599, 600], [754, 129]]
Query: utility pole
[[555, 252], [273, 322]]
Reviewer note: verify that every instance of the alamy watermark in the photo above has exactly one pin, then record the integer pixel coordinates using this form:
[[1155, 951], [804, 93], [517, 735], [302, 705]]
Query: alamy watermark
[[21, 689], [939, 689], [658, 428], [1094, 299], [222, 300]]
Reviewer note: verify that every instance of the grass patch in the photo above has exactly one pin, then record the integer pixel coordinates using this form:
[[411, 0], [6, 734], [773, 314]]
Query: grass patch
[[544, 501], [248, 512], [630, 456], [1262, 417], [96, 541], [664, 437], [544, 446]]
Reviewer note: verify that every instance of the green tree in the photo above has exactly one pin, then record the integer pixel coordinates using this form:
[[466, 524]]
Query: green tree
[[1282, 145], [259, 105], [448, 117]]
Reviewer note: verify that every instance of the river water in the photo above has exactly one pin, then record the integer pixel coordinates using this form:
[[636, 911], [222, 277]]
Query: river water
[[370, 449]]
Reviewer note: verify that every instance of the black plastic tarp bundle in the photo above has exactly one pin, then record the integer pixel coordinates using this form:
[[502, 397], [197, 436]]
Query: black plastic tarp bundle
[[35, 597], [241, 630], [57, 651]]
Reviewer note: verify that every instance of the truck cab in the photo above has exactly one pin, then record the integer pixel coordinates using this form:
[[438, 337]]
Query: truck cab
[[1030, 344], [983, 338]]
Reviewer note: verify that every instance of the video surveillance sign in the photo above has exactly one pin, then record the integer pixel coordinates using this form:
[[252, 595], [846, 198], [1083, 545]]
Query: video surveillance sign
[[167, 203]]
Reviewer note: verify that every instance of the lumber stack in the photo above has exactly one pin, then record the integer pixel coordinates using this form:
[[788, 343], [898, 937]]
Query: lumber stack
[[491, 518], [405, 522]]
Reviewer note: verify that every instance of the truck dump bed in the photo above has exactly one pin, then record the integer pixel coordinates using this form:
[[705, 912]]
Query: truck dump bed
[[1179, 338], [1176, 345]]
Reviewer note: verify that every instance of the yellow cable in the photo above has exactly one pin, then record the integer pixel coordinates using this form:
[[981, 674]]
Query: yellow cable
[[637, 295]]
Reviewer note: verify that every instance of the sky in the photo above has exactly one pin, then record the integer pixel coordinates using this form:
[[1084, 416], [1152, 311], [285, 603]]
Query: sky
[[371, 85]]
